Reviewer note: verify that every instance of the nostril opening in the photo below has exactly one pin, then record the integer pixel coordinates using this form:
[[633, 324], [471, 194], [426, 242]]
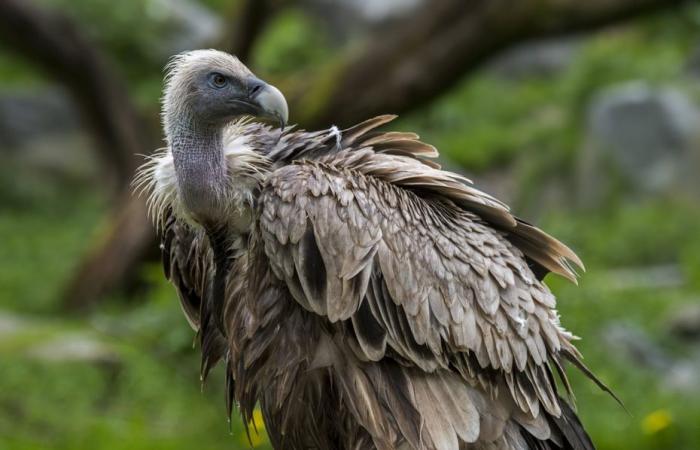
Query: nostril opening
[[255, 89]]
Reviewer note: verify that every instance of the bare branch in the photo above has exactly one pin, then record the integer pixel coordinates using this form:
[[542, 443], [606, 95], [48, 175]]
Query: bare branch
[[114, 263], [55, 45], [425, 55], [249, 22]]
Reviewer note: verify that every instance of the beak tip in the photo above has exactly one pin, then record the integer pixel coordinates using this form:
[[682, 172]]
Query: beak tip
[[272, 101]]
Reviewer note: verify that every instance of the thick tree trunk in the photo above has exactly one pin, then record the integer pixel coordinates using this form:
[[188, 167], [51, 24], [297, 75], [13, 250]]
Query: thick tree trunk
[[401, 67]]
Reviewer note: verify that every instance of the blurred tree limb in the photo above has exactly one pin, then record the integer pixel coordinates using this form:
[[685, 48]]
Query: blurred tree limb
[[401, 67], [423, 56], [249, 21], [55, 44]]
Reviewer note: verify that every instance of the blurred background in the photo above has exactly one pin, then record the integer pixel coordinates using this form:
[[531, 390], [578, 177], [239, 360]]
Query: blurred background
[[584, 116]]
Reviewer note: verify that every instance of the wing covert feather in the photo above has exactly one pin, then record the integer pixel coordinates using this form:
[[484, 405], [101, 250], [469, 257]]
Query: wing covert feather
[[188, 265], [186, 262], [438, 280]]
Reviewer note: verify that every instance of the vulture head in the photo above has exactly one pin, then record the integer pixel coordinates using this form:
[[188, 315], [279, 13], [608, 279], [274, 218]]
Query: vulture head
[[211, 88], [206, 92]]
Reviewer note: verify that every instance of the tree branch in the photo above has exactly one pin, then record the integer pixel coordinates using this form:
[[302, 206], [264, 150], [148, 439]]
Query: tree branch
[[250, 20], [55, 45], [428, 53], [114, 263]]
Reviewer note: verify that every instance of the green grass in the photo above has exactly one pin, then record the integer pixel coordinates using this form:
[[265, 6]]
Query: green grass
[[144, 402], [587, 311], [631, 235], [45, 228], [149, 399]]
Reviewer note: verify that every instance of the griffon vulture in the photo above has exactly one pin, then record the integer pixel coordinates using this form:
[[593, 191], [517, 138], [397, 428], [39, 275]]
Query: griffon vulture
[[361, 296]]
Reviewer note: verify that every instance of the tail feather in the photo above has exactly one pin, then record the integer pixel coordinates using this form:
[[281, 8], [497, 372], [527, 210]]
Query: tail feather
[[567, 433], [572, 429]]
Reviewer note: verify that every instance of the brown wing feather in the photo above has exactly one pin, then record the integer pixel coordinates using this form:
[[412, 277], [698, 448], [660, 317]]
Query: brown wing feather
[[537, 245], [428, 284], [427, 277], [431, 272], [187, 260]]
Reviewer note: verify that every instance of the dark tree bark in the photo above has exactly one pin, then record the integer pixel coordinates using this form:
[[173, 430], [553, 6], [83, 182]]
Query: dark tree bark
[[402, 67], [54, 44], [249, 21], [113, 264], [429, 52]]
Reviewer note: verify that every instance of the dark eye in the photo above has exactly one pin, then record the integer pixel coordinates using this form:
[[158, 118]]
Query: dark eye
[[218, 80]]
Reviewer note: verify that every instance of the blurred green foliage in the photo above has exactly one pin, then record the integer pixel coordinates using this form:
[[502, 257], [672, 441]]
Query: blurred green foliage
[[294, 42], [489, 120], [149, 397]]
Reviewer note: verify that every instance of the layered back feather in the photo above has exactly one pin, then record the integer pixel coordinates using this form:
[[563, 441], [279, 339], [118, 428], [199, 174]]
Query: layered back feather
[[377, 301]]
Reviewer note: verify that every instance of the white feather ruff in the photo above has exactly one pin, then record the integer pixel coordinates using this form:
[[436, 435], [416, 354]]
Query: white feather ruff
[[246, 170]]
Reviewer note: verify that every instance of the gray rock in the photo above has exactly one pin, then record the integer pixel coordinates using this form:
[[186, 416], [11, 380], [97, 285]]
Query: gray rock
[[685, 322], [24, 115], [11, 324], [352, 17], [645, 138], [55, 341], [637, 346], [374, 11], [539, 58], [190, 25], [74, 347], [663, 276], [683, 376], [69, 155], [41, 130]]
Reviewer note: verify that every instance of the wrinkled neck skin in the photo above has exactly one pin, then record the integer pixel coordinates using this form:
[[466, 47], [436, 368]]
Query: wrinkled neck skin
[[203, 187], [200, 167]]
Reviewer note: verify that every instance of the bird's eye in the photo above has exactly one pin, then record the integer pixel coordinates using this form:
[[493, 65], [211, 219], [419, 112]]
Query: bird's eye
[[218, 80]]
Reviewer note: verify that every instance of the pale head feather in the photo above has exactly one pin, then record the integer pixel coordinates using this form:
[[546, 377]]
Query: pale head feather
[[180, 73], [246, 167]]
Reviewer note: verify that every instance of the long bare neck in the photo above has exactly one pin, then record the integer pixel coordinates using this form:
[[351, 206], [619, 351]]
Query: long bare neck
[[200, 166]]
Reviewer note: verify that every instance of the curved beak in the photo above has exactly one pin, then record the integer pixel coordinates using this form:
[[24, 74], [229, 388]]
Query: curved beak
[[268, 101]]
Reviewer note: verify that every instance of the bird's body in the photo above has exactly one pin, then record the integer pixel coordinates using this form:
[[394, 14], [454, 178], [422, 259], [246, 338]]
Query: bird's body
[[360, 295]]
